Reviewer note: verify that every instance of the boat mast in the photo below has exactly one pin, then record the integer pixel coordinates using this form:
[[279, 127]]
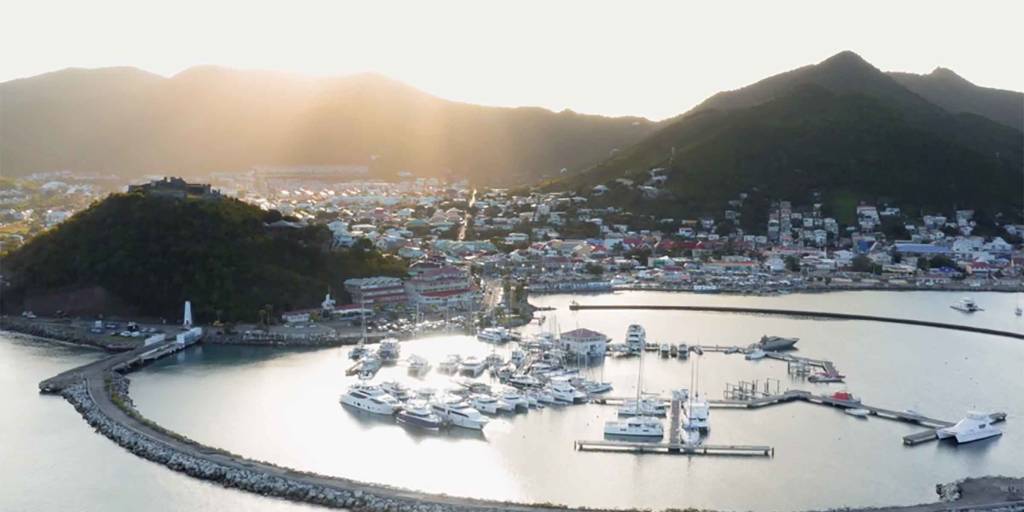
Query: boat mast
[[640, 379], [362, 314]]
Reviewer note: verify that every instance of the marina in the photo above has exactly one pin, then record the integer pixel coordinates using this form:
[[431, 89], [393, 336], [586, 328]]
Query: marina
[[794, 433]]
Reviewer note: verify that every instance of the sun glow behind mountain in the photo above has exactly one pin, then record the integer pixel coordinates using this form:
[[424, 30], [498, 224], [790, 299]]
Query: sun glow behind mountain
[[655, 59]]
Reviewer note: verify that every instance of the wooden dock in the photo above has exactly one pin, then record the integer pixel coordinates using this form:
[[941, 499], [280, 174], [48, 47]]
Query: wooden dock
[[674, 449]]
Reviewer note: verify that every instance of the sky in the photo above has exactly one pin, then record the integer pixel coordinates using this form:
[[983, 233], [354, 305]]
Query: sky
[[649, 58]]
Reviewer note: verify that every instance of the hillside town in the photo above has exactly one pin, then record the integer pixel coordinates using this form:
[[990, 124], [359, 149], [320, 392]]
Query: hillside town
[[456, 238]]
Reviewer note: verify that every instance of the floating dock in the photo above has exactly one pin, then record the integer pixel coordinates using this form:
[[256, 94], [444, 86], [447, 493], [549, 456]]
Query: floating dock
[[806, 396], [674, 448]]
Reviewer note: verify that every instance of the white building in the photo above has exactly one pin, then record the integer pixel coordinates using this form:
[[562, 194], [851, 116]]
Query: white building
[[584, 342]]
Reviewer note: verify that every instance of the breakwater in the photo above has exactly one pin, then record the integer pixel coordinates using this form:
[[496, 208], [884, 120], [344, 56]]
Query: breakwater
[[801, 313]]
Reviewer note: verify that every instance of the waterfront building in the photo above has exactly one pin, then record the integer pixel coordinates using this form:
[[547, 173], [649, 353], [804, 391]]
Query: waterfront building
[[373, 291], [442, 286], [584, 342]]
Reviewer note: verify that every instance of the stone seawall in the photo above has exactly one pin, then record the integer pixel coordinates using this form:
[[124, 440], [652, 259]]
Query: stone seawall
[[296, 486]]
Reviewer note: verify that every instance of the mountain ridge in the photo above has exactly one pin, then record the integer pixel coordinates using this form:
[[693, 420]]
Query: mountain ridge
[[211, 118]]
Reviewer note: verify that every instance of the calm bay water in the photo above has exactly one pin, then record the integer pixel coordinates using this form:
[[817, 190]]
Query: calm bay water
[[281, 405]]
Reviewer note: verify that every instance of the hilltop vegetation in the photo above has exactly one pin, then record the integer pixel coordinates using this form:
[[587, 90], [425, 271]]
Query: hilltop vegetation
[[155, 252]]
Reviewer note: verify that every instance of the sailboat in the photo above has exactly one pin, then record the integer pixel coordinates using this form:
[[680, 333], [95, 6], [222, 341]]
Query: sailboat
[[638, 426], [359, 350]]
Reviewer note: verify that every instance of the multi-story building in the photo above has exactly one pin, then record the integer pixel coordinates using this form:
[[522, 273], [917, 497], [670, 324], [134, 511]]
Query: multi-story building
[[374, 291], [444, 286]]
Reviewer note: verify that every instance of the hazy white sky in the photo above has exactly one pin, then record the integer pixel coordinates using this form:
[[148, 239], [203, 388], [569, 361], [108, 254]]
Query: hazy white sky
[[654, 59]]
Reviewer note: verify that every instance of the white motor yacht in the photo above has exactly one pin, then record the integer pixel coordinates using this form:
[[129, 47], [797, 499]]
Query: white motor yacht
[[494, 335], [370, 398], [596, 388], [489, 404], [564, 392], [389, 351], [517, 399], [418, 413], [450, 365], [418, 366], [357, 352], [967, 305], [472, 366], [396, 389], [640, 426], [543, 397], [460, 414], [636, 336], [523, 381], [368, 366], [975, 427]]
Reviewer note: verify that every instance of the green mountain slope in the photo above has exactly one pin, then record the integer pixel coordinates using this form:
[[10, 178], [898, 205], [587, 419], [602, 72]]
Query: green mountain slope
[[841, 129], [952, 92], [153, 253], [213, 119]]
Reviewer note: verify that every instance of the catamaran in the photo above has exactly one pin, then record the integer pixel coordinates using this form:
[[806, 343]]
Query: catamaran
[[975, 427], [638, 426]]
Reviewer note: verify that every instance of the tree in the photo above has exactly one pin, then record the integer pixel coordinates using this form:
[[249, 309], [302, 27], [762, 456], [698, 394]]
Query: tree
[[862, 263], [941, 260], [792, 264], [594, 269]]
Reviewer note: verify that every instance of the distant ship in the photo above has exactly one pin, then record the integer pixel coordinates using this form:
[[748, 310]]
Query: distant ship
[[776, 343]]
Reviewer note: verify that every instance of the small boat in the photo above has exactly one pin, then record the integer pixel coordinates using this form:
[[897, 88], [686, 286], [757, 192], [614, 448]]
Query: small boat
[[857, 412], [389, 351], [821, 378], [673, 350], [967, 305], [369, 398], [975, 427], [665, 350], [543, 397], [754, 355], [683, 351], [845, 396], [1018, 311], [596, 388], [450, 365], [418, 413], [357, 352], [460, 414], [418, 366], [775, 343], [640, 426]]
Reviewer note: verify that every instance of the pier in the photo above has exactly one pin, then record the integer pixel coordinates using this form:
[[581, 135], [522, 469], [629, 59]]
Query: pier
[[151, 350], [674, 448], [801, 313]]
